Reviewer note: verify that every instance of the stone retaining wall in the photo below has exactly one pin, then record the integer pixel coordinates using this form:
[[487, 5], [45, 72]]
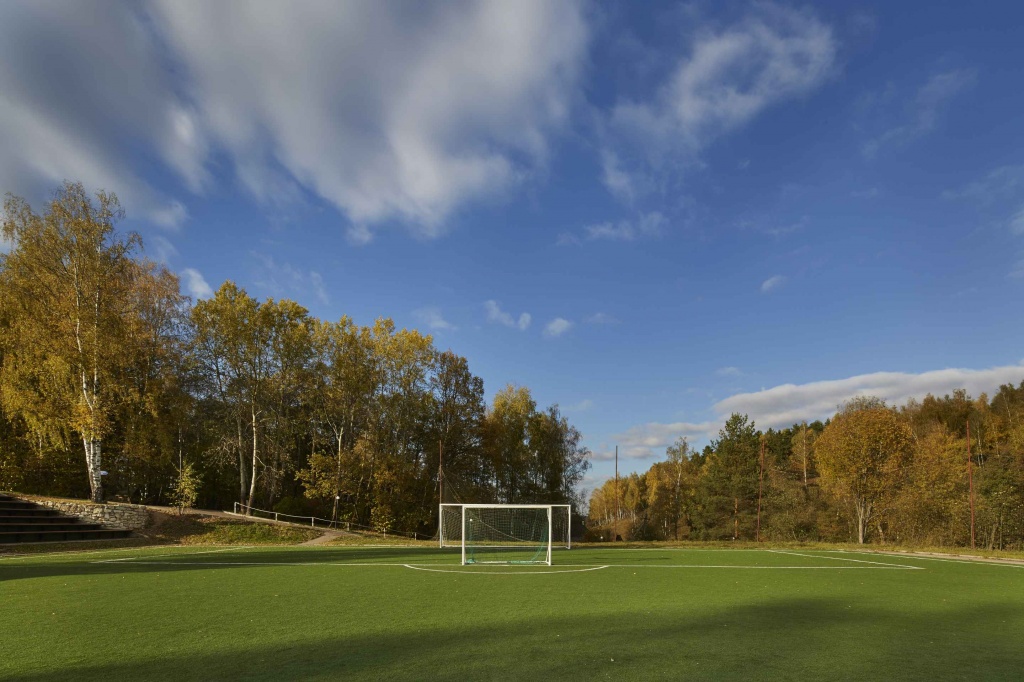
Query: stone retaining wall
[[112, 514]]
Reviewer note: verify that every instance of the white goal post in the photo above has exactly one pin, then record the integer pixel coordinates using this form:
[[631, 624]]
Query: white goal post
[[504, 533]]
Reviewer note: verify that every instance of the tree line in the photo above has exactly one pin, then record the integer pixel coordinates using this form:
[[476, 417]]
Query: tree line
[[942, 471], [113, 384]]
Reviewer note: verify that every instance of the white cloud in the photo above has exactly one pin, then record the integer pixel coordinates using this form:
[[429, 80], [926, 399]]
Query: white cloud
[[650, 440], [388, 111], [728, 78], [317, 284], [927, 105], [496, 314], [433, 318], [789, 403], [601, 318], [772, 283], [1017, 222], [869, 193], [284, 279], [161, 248], [557, 327], [196, 284], [728, 372], [82, 83], [1001, 183], [618, 182], [1017, 271], [582, 406], [652, 224]]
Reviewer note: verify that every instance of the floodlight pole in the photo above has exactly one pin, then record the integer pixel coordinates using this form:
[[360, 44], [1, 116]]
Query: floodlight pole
[[970, 477], [440, 473], [760, 485]]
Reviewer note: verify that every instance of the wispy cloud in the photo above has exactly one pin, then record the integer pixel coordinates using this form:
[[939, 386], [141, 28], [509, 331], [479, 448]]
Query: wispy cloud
[[729, 372], [772, 283], [650, 440], [432, 318], [499, 316], [618, 182], [582, 406], [999, 196], [728, 77], [557, 327], [789, 404], [196, 284], [601, 318], [284, 279], [1005, 182], [646, 225], [926, 107]]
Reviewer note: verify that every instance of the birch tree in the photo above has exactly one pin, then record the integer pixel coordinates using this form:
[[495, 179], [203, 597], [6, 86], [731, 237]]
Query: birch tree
[[66, 291]]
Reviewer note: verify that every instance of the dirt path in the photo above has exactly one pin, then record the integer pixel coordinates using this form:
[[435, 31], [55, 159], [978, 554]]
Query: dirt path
[[326, 537]]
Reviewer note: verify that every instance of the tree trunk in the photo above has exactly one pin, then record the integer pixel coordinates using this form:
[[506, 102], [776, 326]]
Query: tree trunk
[[736, 519], [92, 464], [241, 462], [863, 518], [252, 481]]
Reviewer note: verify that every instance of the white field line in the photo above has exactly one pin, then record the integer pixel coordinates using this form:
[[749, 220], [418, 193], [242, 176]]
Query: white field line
[[224, 549], [833, 558], [417, 567], [950, 560], [876, 565]]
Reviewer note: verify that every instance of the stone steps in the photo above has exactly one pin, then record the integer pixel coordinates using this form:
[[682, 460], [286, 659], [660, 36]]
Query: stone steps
[[26, 521]]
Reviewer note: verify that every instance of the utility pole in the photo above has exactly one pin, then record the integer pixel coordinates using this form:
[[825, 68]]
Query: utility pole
[[616, 529], [970, 477], [760, 486]]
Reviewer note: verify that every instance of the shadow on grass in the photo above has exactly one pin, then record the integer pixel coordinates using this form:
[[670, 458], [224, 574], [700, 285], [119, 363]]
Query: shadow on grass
[[782, 640]]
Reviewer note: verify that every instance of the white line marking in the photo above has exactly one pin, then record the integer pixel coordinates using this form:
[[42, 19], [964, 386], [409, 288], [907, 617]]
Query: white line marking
[[877, 567], [466, 571], [951, 560], [833, 558]]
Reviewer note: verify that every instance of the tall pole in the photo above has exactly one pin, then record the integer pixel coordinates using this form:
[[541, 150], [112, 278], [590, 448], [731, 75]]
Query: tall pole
[[760, 486], [970, 477], [616, 529], [440, 474]]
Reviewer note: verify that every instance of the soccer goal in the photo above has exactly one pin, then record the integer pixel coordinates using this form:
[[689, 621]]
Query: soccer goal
[[504, 533]]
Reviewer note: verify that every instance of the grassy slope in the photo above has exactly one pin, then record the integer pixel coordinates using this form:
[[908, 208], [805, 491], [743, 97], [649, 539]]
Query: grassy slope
[[65, 618], [190, 529]]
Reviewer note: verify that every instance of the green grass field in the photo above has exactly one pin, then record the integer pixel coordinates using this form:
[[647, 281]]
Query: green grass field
[[362, 613]]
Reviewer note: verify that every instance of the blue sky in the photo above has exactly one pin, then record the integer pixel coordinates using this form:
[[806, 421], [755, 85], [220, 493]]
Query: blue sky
[[652, 214]]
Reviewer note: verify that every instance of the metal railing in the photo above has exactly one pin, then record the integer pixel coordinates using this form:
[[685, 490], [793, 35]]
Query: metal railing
[[317, 522]]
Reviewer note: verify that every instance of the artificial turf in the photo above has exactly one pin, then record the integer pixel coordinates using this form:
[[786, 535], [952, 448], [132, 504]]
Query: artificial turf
[[355, 613]]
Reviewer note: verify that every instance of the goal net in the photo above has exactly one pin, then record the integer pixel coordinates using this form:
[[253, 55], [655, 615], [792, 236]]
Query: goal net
[[502, 533], [450, 529]]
